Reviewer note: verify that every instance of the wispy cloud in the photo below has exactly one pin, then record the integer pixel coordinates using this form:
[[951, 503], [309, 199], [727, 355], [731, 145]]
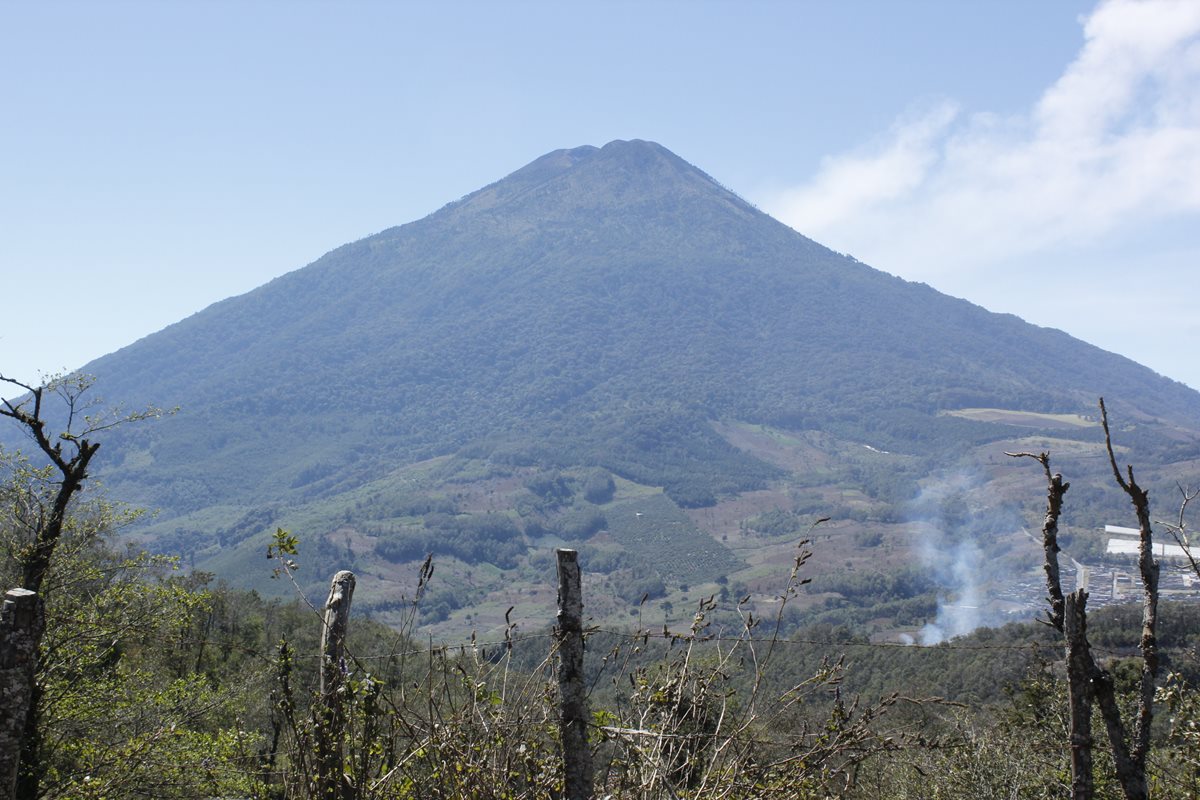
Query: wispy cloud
[[1111, 146], [848, 186]]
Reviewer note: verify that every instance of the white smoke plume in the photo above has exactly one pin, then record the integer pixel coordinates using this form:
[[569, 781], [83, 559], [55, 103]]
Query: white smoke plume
[[957, 521]]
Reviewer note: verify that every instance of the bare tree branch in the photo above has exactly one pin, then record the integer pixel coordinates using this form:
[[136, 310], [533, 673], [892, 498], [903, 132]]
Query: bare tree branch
[[1088, 682], [1178, 529], [1148, 568], [1055, 489]]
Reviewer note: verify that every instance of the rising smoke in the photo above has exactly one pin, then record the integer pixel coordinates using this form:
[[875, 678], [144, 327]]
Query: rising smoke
[[960, 546]]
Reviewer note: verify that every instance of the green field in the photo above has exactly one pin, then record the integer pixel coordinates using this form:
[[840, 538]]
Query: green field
[[657, 533]]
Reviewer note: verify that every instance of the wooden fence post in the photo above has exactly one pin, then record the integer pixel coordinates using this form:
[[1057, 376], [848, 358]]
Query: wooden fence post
[[22, 621], [328, 712], [572, 693]]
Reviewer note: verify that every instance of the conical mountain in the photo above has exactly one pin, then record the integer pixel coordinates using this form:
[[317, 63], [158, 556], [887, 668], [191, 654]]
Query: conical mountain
[[600, 306]]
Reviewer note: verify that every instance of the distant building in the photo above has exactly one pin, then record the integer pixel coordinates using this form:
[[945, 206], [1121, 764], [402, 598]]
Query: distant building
[[1122, 544]]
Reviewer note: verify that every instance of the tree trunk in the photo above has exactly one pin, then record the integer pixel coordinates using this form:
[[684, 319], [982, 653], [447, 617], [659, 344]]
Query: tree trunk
[[1079, 691], [21, 624]]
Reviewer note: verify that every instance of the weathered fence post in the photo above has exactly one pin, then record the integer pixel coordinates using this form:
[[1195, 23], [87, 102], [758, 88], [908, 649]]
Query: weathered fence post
[[329, 714], [22, 621], [572, 694]]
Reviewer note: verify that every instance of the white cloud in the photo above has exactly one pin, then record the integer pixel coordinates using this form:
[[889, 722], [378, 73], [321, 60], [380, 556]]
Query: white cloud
[[847, 186], [1112, 145]]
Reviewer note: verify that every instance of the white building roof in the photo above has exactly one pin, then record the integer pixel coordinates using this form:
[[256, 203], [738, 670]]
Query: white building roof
[[1130, 547]]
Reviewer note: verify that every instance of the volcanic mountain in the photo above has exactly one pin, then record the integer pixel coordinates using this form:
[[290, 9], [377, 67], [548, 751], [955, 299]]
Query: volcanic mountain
[[609, 309]]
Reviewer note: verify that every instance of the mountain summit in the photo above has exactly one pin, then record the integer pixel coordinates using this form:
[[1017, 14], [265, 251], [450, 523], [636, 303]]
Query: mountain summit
[[600, 307]]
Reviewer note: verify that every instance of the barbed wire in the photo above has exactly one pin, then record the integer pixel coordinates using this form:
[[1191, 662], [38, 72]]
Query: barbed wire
[[664, 635], [701, 638]]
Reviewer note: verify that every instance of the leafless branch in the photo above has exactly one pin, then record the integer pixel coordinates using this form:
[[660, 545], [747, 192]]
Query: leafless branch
[[1055, 489], [1179, 528], [1148, 568], [1088, 682]]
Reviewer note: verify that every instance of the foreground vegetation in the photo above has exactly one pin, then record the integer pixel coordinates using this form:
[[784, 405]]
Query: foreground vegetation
[[158, 684]]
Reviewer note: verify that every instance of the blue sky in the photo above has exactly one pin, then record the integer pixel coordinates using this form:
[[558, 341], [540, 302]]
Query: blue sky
[[1039, 158]]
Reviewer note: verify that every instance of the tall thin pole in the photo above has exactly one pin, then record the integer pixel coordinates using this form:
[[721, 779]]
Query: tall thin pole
[[572, 693]]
